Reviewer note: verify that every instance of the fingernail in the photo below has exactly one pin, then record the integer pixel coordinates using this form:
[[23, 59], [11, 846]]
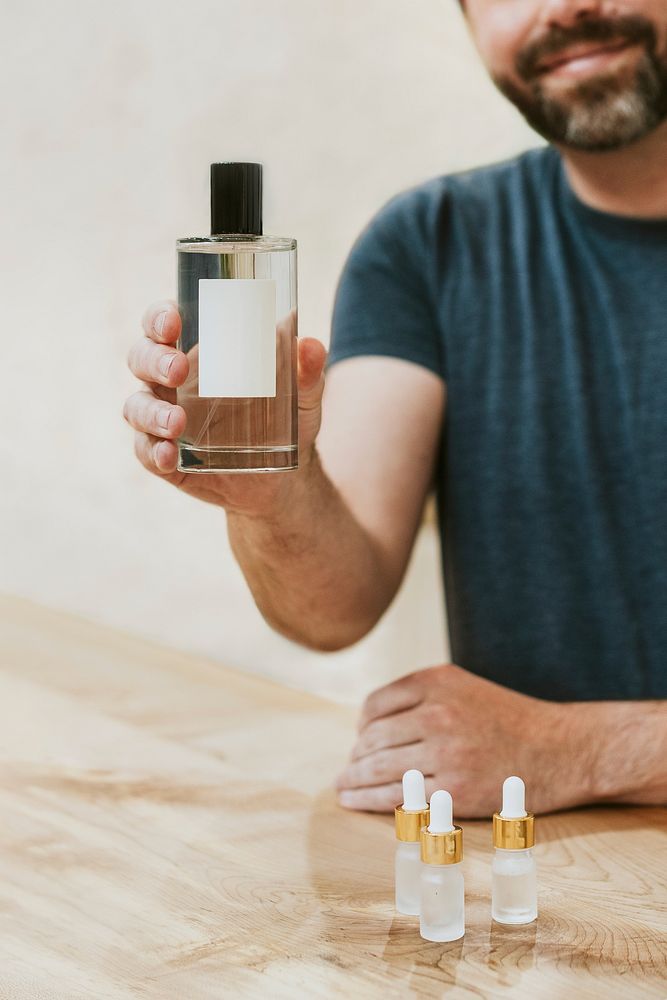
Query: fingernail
[[163, 417], [159, 458], [345, 798], [158, 324], [166, 363]]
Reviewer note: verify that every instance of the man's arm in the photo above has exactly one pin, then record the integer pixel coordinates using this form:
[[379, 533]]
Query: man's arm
[[467, 734], [323, 548], [630, 756], [324, 564]]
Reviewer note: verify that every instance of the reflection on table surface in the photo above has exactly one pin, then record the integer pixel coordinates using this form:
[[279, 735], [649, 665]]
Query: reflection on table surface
[[169, 831]]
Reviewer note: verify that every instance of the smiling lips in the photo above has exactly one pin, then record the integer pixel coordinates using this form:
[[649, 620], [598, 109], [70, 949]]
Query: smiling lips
[[583, 54]]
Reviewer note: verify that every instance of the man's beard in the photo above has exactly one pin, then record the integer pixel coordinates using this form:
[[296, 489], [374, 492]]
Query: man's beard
[[600, 112]]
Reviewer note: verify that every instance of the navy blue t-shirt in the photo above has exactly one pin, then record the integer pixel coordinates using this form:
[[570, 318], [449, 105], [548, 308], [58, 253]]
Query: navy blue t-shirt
[[547, 320]]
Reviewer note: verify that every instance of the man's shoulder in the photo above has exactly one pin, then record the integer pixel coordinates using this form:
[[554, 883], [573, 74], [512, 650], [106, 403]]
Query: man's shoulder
[[518, 177], [468, 205], [529, 164]]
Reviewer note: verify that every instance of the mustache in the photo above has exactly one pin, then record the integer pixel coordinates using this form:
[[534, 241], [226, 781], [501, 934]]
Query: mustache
[[631, 29]]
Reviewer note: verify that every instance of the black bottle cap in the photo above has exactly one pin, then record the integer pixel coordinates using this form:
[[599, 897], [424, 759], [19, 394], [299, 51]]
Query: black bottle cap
[[236, 198]]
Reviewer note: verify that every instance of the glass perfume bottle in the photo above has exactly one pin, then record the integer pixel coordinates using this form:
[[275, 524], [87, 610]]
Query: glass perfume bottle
[[513, 870], [237, 296], [409, 818]]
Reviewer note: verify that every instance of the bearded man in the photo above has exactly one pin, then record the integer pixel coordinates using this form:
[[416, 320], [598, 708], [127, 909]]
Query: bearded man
[[499, 335]]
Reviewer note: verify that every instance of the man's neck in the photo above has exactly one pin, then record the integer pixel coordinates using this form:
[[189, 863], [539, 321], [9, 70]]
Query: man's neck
[[630, 181]]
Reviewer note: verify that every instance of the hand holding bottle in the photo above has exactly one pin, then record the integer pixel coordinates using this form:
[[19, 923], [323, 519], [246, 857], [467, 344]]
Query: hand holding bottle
[[158, 421]]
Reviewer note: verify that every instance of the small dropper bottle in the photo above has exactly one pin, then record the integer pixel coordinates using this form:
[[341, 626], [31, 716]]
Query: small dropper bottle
[[409, 819], [442, 898], [513, 871]]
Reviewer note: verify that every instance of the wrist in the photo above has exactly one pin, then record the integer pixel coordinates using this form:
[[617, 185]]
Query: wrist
[[281, 498], [574, 729], [297, 493], [602, 730]]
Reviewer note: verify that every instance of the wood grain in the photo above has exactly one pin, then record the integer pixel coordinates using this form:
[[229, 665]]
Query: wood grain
[[168, 831]]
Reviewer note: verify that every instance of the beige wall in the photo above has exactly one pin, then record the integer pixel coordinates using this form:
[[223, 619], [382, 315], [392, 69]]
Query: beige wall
[[112, 114]]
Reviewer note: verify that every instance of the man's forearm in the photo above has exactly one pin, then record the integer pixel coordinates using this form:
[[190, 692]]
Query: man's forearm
[[628, 749], [316, 574]]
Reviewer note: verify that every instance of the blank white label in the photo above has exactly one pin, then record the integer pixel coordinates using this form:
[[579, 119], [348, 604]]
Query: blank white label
[[237, 337]]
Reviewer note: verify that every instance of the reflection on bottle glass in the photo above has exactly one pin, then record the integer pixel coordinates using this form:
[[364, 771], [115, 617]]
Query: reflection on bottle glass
[[239, 433]]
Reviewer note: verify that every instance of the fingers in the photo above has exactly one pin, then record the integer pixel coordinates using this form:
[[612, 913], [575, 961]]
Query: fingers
[[157, 363], [386, 766], [392, 731], [159, 457], [402, 694], [145, 412], [162, 322], [381, 798], [153, 359]]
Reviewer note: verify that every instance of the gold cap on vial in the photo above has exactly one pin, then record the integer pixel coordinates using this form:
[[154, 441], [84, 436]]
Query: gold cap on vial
[[409, 823], [513, 834], [411, 815], [442, 848], [441, 841]]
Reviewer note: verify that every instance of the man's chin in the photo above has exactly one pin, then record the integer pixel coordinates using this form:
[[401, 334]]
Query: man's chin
[[597, 112], [597, 122], [615, 125], [589, 116]]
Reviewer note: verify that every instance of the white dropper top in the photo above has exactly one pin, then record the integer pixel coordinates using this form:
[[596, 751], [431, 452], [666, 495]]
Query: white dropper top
[[514, 798], [414, 791], [442, 812]]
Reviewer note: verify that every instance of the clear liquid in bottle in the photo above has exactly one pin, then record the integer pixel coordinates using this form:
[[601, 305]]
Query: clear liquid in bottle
[[238, 433]]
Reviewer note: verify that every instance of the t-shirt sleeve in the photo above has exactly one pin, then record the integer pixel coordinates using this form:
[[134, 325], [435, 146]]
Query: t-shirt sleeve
[[383, 304]]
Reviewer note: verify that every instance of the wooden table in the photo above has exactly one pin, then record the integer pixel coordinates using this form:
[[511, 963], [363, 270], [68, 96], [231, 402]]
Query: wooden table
[[168, 830]]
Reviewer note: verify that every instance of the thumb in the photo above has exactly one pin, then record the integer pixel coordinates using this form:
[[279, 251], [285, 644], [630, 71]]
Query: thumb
[[312, 355], [311, 360]]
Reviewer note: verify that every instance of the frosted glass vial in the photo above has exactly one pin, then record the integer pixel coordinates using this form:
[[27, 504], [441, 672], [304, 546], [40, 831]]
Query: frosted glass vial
[[442, 902], [514, 886], [407, 871]]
